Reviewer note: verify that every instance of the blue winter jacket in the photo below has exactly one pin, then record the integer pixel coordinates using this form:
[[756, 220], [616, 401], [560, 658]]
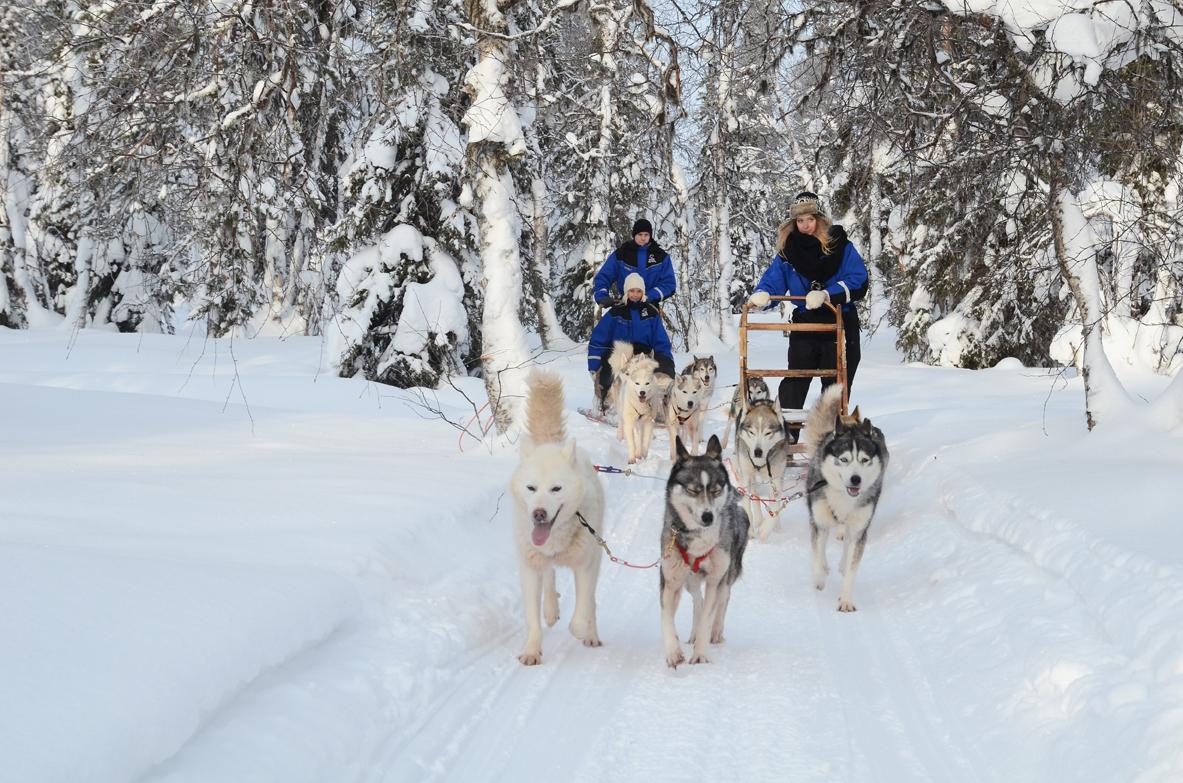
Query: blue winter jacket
[[634, 322], [650, 262], [847, 285]]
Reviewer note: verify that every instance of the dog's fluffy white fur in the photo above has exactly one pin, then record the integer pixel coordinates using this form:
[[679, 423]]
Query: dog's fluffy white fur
[[639, 395], [554, 484]]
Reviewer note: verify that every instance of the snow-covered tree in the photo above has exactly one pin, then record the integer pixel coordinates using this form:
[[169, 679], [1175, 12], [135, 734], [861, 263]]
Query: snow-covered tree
[[612, 84], [746, 171], [406, 306]]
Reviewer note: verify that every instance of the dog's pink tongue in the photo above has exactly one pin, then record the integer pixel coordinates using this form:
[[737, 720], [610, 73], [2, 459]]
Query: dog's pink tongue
[[540, 533]]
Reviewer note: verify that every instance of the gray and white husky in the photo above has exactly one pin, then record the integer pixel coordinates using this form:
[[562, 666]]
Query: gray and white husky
[[702, 541], [849, 458], [756, 390], [703, 368], [761, 457]]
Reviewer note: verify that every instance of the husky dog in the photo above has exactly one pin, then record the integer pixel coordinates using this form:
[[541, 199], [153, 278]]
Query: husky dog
[[555, 489], [684, 412], [703, 541], [845, 482], [757, 390], [761, 456], [638, 393], [822, 415], [703, 368]]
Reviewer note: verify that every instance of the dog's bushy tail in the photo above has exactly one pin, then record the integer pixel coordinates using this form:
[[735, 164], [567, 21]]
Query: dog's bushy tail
[[622, 353], [544, 408], [821, 417]]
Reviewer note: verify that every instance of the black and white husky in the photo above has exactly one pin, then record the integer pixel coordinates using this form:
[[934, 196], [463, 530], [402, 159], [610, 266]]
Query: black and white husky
[[702, 541], [849, 458]]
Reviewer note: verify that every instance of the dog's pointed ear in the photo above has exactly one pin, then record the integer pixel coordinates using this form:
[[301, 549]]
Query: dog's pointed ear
[[714, 450], [681, 449], [867, 425], [527, 445], [568, 450], [854, 414], [838, 422]]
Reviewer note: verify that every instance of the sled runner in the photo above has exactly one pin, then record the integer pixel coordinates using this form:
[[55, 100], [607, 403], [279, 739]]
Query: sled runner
[[797, 451], [591, 415]]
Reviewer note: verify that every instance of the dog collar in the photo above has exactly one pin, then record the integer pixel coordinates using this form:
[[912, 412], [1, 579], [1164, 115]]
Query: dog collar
[[683, 419], [686, 557]]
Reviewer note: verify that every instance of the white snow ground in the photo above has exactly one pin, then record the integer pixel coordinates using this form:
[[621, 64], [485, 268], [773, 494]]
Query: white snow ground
[[217, 564]]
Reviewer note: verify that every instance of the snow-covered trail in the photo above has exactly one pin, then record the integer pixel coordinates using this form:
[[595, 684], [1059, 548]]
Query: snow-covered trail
[[799, 691], [324, 588]]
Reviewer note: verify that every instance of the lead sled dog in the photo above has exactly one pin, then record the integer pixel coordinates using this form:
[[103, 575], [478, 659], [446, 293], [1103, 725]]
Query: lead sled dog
[[849, 459], [554, 486], [703, 539]]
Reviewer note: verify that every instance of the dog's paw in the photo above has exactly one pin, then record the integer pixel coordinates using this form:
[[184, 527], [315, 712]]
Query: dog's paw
[[840, 532], [846, 605], [550, 610], [530, 658], [767, 525], [699, 658], [717, 638], [672, 659], [592, 641], [579, 628]]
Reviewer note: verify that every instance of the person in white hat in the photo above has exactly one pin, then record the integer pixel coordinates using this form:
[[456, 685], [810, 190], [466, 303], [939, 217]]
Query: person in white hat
[[637, 321]]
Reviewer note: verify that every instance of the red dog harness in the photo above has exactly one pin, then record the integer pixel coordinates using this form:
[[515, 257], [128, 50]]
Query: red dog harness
[[686, 557]]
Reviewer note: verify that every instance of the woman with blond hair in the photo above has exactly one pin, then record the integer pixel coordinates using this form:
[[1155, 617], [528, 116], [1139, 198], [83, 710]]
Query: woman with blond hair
[[817, 261]]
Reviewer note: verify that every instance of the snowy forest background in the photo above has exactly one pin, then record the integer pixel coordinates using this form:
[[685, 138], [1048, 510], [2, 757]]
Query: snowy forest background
[[423, 182]]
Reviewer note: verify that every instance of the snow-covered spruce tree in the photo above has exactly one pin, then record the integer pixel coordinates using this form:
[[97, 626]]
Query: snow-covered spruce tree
[[930, 188], [256, 156], [1017, 99], [197, 174], [407, 308]]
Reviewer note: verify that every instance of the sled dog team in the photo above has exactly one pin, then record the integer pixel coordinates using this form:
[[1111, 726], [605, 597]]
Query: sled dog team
[[559, 502]]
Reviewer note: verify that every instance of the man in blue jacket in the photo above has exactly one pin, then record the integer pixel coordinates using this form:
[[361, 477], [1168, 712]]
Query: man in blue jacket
[[817, 261], [640, 255], [636, 321]]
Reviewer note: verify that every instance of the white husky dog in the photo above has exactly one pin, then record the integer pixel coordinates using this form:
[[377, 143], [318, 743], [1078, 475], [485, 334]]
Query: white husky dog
[[638, 398], [554, 487], [684, 413], [845, 483]]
